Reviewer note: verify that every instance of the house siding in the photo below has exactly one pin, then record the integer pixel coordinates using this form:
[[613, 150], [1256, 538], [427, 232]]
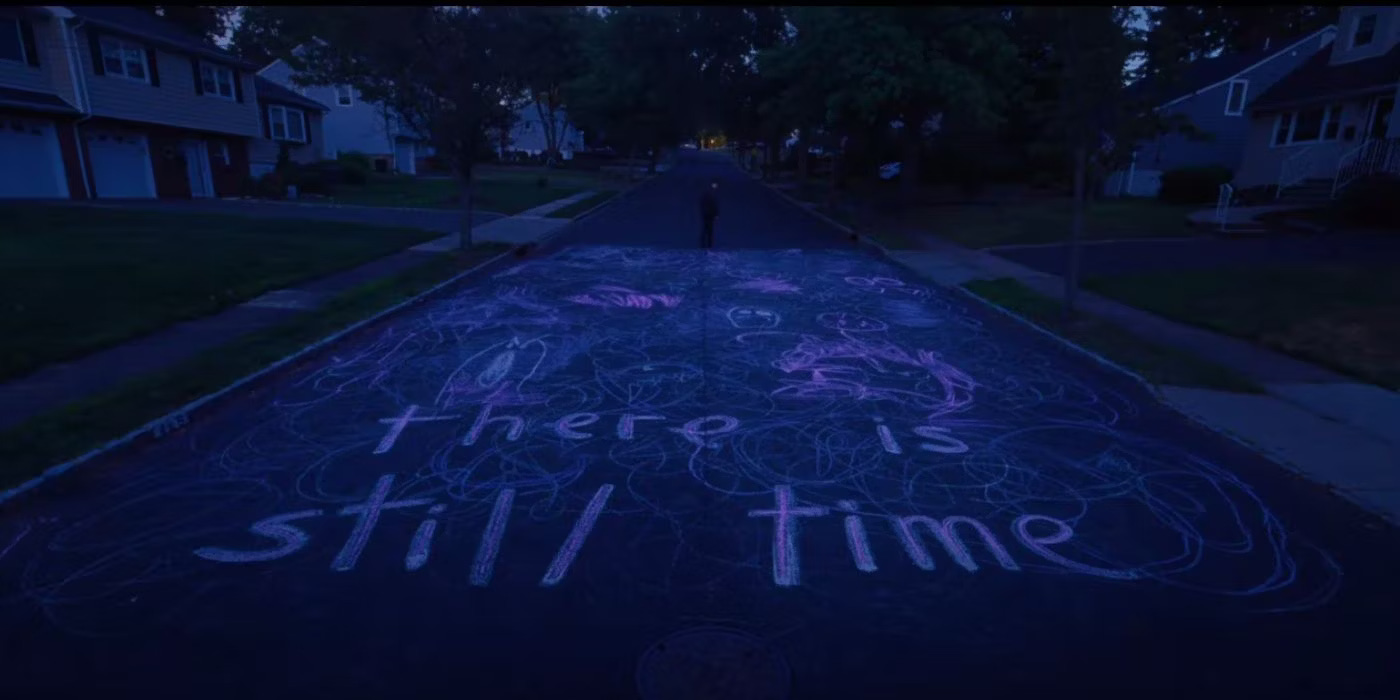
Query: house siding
[[1229, 134], [263, 151], [172, 103], [1386, 36], [360, 127], [1265, 160], [40, 78]]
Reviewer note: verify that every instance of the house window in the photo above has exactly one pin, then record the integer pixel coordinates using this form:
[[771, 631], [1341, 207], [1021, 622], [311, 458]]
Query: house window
[[1234, 99], [286, 124], [217, 80], [1365, 31], [343, 96], [11, 40], [124, 58], [1308, 126], [220, 149]]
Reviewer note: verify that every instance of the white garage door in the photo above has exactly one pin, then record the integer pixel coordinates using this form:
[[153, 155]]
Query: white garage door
[[121, 165], [30, 162]]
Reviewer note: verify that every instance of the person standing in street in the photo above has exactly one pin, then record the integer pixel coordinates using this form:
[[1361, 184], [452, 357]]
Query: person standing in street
[[709, 209]]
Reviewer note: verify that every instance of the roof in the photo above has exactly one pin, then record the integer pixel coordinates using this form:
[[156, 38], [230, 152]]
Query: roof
[[1315, 80], [37, 101], [269, 91], [1204, 73], [142, 24]]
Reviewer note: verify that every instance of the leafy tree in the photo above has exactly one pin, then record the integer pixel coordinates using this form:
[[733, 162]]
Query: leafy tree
[[445, 71], [639, 89], [268, 32], [206, 21], [551, 54]]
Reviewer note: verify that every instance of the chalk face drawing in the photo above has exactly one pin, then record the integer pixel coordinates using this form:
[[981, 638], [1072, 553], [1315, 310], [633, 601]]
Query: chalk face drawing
[[666, 422]]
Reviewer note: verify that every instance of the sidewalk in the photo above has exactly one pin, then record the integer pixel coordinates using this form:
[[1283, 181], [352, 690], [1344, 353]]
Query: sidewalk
[[1336, 431], [1331, 429], [57, 385]]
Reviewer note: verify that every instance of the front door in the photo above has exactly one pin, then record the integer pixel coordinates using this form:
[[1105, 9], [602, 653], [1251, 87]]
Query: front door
[[1380, 119], [197, 169]]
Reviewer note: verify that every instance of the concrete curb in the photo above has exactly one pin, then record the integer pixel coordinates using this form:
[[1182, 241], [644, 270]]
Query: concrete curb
[[857, 237], [181, 416]]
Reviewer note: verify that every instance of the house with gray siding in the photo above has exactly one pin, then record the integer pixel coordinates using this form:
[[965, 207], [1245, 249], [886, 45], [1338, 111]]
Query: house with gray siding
[[355, 125], [111, 101], [1216, 95], [289, 120], [1330, 122]]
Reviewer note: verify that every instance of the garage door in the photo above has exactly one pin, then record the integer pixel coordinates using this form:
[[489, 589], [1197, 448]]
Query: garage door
[[121, 165], [404, 160], [32, 166]]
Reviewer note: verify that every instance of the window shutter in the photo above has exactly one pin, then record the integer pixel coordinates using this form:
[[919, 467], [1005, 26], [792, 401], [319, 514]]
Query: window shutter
[[198, 79], [238, 86], [95, 46], [306, 126], [151, 66], [267, 122], [26, 34]]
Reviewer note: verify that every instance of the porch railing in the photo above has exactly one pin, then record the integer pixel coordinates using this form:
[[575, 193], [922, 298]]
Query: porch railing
[[1296, 169], [1222, 204], [1371, 157]]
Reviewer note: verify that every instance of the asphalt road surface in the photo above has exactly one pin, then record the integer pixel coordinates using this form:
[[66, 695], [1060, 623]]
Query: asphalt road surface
[[631, 469]]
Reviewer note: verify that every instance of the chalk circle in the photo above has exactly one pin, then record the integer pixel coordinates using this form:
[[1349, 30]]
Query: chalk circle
[[704, 663]]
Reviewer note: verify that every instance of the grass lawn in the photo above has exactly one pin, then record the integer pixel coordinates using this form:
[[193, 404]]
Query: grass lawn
[[1346, 317], [31, 447], [1159, 365], [583, 205], [1048, 220], [77, 279], [502, 189]]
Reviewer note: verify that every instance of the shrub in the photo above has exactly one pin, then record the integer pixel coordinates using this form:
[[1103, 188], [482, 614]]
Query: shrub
[[284, 158], [1194, 185], [355, 159], [309, 181], [272, 186], [1371, 201]]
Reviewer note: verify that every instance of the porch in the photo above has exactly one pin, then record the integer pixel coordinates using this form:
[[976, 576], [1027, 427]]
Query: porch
[[1314, 151]]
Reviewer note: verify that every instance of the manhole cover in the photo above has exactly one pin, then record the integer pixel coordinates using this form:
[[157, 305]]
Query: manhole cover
[[709, 663]]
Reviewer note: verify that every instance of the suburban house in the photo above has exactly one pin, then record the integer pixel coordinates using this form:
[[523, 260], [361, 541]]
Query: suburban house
[[99, 101], [1216, 95], [1329, 122], [527, 135], [352, 124], [287, 118]]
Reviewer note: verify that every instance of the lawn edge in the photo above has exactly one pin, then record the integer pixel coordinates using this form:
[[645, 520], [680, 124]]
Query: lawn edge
[[181, 415], [615, 194]]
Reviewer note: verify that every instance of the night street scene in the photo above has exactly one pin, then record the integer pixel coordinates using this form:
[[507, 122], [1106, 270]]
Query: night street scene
[[699, 352]]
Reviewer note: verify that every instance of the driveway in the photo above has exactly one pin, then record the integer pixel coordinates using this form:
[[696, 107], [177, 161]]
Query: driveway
[[1127, 257], [635, 470], [441, 220]]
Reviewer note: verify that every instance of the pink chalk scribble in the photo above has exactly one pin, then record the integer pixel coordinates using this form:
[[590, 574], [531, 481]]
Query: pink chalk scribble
[[606, 295], [873, 371], [768, 285]]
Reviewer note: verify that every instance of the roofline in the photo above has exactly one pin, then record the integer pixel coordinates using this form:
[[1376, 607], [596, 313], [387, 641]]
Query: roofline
[[212, 52], [1378, 89], [1270, 57], [275, 61]]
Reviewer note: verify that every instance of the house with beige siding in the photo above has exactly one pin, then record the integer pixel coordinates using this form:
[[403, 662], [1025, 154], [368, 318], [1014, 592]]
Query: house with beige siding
[[111, 102], [1330, 122]]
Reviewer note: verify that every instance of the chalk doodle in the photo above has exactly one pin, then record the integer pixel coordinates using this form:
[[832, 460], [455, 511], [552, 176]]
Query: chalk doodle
[[671, 422], [170, 424]]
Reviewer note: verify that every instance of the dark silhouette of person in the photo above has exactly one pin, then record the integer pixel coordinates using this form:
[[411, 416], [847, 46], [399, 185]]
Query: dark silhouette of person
[[709, 209]]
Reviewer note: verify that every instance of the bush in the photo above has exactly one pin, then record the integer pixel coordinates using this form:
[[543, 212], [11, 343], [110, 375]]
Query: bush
[[355, 159], [272, 186], [1372, 201], [309, 181], [1195, 185]]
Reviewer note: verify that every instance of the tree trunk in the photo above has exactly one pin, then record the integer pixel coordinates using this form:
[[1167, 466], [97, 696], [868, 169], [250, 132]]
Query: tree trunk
[[911, 138], [1076, 230], [466, 183], [803, 159]]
